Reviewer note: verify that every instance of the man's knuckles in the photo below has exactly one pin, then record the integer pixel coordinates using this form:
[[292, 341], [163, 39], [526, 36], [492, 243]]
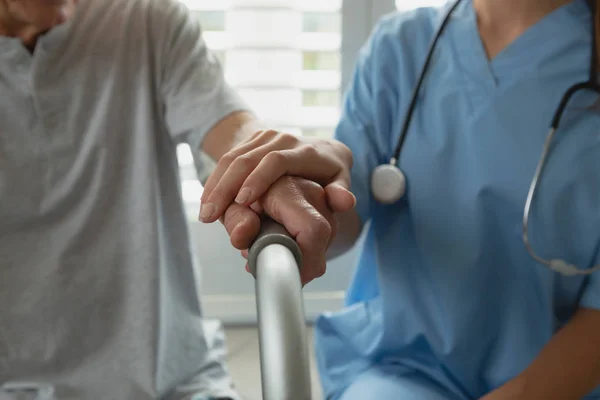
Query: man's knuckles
[[316, 227], [237, 215]]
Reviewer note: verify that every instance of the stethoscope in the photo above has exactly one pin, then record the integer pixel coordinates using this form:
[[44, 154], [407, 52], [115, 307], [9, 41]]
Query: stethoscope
[[388, 182]]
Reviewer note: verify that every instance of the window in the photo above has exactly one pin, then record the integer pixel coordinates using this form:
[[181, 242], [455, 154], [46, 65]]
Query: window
[[282, 56], [285, 57], [212, 20], [403, 5]]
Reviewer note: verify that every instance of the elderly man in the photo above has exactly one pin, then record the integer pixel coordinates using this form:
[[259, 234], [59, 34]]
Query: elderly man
[[98, 290], [98, 295]]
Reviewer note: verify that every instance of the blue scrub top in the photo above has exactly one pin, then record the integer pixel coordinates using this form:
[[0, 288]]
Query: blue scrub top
[[445, 285]]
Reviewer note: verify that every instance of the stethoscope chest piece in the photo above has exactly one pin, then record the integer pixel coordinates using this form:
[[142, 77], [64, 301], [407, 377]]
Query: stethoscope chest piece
[[388, 184]]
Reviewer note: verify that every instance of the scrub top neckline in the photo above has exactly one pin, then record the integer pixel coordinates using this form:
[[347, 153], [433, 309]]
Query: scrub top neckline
[[521, 55]]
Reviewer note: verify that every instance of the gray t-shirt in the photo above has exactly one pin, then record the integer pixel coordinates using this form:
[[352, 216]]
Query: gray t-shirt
[[98, 284]]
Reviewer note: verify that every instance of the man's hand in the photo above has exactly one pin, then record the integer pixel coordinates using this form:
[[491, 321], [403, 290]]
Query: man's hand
[[298, 204], [245, 173]]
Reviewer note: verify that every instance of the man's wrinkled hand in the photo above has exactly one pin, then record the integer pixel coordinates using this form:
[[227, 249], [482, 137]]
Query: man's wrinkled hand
[[298, 204], [245, 173]]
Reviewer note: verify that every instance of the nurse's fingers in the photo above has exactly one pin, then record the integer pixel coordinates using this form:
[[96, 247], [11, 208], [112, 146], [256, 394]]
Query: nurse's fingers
[[323, 162], [234, 167], [339, 198], [256, 140], [246, 173], [301, 207], [242, 224]]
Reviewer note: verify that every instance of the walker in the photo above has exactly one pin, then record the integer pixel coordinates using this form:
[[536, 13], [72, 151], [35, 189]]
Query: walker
[[274, 259]]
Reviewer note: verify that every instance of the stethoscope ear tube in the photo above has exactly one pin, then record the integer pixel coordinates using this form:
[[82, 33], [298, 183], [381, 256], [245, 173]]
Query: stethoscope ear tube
[[556, 265], [415, 95]]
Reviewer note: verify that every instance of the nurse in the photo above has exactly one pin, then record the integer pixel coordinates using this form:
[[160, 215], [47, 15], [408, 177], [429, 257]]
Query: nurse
[[447, 303]]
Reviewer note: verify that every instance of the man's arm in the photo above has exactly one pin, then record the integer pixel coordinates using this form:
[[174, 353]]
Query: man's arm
[[200, 108], [568, 368]]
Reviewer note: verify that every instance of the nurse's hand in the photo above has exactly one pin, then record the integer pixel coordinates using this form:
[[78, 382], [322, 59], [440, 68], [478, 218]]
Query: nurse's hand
[[512, 390], [246, 172], [298, 204]]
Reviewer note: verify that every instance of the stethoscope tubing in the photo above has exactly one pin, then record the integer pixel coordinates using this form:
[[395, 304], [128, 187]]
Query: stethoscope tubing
[[384, 171]]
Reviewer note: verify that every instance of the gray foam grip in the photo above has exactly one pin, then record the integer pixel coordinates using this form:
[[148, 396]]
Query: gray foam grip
[[272, 233]]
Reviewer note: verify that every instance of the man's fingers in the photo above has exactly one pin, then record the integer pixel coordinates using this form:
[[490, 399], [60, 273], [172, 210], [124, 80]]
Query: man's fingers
[[312, 232], [314, 241], [242, 225], [302, 209]]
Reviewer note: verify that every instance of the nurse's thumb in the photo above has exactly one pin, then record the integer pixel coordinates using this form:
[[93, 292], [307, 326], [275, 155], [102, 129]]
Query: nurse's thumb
[[339, 198]]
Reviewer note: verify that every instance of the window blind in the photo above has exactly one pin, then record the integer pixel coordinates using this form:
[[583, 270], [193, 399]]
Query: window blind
[[404, 5], [282, 56]]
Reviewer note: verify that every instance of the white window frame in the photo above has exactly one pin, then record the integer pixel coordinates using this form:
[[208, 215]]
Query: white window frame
[[358, 19]]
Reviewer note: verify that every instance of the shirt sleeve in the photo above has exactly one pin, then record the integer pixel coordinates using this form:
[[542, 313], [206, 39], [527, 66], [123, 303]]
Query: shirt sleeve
[[195, 94], [365, 122]]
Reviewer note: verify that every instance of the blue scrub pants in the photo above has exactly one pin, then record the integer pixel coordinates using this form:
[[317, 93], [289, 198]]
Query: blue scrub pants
[[380, 383]]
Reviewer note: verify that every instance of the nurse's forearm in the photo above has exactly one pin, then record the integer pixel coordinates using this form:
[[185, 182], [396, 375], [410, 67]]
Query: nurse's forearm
[[568, 368], [228, 133], [349, 230]]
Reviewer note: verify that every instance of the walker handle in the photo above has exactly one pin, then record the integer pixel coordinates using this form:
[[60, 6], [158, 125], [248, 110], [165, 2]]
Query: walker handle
[[272, 233], [274, 260]]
